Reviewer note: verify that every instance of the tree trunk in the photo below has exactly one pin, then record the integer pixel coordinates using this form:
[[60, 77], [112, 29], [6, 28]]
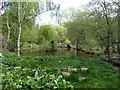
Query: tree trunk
[[8, 37], [68, 46], [0, 35], [108, 28], [77, 42], [52, 45], [118, 47], [19, 31]]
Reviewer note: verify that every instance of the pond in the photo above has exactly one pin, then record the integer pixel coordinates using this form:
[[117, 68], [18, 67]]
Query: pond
[[59, 52]]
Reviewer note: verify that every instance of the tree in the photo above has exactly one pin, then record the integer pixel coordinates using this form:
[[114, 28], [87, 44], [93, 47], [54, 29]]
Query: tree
[[19, 29], [46, 36], [61, 32], [30, 35], [25, 18], [69, 14], [118, 17], [78, 29], [22, 15], [46, 7], [104, 12]]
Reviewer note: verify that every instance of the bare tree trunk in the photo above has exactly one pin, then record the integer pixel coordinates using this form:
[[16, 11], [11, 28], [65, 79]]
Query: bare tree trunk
[[8, 37], [0, 35], [19, 31], [118, 47]]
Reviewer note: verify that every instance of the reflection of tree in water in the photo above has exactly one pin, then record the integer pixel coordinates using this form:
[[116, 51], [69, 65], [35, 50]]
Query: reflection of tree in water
[[52, 53], [68, 49], [60, 52], [76, 53]]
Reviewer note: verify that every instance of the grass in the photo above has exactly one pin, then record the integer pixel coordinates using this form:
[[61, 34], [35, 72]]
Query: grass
[[99, 75]]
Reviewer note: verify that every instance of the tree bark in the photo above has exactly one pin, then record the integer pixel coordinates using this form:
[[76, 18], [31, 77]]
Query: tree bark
[[108, 28], [19, 31], [118, 47], [0, 35], [8, 37], [52, 45]]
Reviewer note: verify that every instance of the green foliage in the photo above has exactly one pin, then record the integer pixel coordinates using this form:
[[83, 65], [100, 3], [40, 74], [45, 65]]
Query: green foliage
[[28, 14], [39, 79], [10, 19], [78, 30], [67, 42], [46, 34], [61, 32], [17, 78], [29, 46], [47, 77], [95, 28], [88, 29], [104, 28], [30, 35]]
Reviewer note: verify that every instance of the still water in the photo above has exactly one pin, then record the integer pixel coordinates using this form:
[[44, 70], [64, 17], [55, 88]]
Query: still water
[[59, 52]]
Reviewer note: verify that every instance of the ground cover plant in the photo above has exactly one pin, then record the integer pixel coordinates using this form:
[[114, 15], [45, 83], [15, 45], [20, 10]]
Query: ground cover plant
[[47, 72], [44, 28]]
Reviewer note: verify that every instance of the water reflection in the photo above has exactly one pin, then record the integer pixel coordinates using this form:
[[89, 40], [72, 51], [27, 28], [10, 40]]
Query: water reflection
[[59, 52]]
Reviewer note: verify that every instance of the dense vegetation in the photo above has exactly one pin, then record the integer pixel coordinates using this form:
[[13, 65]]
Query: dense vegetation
[[82, 30], [46, 72], [93, 29]]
